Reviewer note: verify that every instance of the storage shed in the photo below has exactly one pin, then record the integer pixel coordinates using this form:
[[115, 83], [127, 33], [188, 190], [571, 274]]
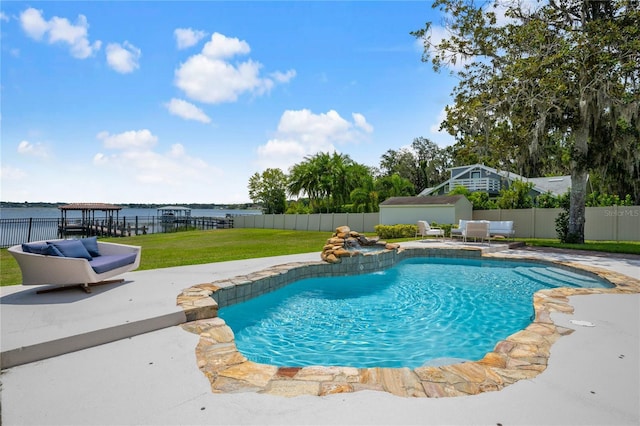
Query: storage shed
[[441, 209]]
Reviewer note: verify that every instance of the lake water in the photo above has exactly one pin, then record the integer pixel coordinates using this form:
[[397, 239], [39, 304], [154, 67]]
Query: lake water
[[15, 228], [52, 212]]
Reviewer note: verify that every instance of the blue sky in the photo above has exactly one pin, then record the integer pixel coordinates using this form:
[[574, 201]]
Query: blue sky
[[181, 102]]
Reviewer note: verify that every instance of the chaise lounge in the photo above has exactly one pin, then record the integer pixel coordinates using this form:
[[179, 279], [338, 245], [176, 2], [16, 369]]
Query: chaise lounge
[[424, 229], [80, 263]]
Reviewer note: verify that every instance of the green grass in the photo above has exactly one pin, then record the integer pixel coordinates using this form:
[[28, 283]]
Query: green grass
[[626, 247], [197, 247]]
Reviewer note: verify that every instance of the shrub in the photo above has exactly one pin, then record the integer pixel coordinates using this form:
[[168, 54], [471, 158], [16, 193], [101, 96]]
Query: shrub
[[386, 232], [547, 201], [446, 227], [562, 222]]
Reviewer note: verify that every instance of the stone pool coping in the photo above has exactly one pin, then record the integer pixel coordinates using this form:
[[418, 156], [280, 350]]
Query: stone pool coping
[[523, 355]]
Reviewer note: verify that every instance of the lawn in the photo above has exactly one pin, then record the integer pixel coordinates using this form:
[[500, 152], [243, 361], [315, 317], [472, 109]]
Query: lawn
[[626, 247], [197, 247]]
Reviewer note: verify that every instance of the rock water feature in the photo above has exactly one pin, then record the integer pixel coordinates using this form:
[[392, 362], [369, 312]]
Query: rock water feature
[[348, 243]]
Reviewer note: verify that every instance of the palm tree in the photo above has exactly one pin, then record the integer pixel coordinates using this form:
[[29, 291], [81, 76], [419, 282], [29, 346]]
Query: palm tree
[[365, 195], [309, 177], [395, 186], [327, 179]]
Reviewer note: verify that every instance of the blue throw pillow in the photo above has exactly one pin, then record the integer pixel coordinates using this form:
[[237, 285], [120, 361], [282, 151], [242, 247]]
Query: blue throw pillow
[[41, 248], [71, 248], [91, 244]]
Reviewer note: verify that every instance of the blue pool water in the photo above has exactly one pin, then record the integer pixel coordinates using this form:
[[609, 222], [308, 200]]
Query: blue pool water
[[420, 312]]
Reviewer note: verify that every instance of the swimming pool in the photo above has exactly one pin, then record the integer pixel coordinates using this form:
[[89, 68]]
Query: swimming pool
[[423, 311]]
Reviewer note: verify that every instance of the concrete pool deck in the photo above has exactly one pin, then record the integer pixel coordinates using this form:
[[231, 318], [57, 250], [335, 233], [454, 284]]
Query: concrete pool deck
[[592, 375]]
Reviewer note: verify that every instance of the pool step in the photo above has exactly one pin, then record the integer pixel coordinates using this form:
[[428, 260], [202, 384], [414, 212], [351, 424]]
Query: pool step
[[556, 277], [568, 277], [542, 279], [577, 276]]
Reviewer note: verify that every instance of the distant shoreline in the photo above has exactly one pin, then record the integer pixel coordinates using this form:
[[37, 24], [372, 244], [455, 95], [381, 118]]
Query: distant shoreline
[[242, 206]]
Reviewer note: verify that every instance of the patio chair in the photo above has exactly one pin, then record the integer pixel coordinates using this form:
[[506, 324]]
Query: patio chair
[[477, 229], [459, 231], [424, 230]]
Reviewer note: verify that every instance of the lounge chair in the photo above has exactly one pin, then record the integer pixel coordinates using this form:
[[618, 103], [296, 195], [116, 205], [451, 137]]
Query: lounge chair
[[424, 230], [458, 232], [477, 229], [64, 263]]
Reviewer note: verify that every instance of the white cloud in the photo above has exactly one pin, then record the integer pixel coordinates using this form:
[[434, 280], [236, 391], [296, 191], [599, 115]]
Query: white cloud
[[36, 150], [100, 159], [186, 37], [435, 127], [177, 150], [4, 17], [211, 78], [60, 30], [441, 137], [134, 153], [361, 122], [130, 140], [123, 58], [187, 110], [214, 81], [310, 126], [12, 173], [301, 133], [33, 23], [283, 77], [221, 47]]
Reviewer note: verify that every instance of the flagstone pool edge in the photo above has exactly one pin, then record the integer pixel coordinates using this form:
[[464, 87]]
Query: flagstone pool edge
[[523, 355]]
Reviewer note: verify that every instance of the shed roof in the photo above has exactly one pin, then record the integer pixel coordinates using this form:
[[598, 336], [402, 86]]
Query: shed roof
[[422, 201], [90, 206]]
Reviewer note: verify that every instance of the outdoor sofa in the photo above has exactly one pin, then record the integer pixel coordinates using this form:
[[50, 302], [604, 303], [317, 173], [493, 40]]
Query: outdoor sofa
[[78, 262], [501, 229], [497, 229]]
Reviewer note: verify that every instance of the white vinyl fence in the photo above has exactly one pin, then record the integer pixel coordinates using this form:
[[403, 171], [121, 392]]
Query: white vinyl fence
[[359, 222], [615, 223]]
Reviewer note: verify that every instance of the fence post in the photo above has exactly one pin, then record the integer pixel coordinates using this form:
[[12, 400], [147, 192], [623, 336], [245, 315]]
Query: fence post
[[29, 232], [615, 223], [533, 222]]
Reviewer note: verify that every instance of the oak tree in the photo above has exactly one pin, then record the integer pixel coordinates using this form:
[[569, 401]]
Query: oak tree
[[535, 72]]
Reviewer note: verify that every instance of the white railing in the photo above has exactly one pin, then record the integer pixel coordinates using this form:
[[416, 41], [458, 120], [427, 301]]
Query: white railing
[[478, 184]]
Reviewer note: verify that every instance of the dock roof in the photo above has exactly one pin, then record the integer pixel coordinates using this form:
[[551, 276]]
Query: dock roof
[[90, 206]]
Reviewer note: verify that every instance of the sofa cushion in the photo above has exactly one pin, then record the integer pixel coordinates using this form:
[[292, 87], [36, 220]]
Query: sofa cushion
[[112, 261], [501, 227], [71, 248], [91, 244], [41, 248]]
